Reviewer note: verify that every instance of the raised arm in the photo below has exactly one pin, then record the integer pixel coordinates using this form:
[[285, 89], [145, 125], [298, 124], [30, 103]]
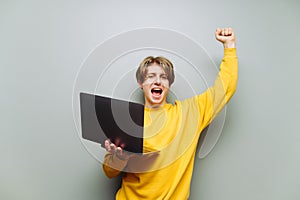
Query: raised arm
[[216, 97]]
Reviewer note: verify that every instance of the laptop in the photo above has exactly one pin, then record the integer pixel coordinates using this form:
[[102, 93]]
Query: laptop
[[105, 118]]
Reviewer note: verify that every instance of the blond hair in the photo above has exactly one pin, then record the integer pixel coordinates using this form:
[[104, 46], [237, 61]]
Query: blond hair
[[164, 63]]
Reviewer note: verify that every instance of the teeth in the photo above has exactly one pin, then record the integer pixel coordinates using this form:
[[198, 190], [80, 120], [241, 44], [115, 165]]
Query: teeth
[[157, 90]]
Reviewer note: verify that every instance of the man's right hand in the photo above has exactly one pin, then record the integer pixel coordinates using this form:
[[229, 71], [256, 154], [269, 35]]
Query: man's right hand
[[118, 151]]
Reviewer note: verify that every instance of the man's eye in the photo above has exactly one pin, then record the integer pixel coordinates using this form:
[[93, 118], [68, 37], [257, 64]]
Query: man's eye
[[150, 76], [164, 77]]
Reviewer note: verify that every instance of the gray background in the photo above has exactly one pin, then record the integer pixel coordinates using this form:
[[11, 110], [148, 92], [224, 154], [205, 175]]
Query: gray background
[[43, 43]]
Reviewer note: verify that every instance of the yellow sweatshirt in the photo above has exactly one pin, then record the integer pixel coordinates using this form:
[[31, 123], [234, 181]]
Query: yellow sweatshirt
[[171, 136]]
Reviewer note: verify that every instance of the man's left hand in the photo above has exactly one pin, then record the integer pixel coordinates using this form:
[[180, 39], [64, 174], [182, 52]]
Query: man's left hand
[[226, 36]]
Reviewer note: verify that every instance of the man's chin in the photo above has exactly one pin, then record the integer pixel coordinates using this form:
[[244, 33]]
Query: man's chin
[[159, 101], [156, 101]]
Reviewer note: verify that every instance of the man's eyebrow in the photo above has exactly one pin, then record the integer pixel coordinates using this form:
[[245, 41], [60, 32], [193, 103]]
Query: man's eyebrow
[[157, 73]]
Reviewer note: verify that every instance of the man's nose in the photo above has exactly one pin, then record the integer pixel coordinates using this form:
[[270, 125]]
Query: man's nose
[[157, 80]]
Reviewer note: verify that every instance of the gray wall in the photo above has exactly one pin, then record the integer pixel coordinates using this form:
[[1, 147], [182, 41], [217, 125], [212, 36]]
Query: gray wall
[[43, 44]]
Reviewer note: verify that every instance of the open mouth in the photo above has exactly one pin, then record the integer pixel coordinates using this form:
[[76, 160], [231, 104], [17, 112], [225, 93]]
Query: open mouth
[[156, 91]]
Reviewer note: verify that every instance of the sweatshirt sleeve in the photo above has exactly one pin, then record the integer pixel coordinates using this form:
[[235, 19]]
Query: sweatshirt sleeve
[[112, 165], [211, 102]]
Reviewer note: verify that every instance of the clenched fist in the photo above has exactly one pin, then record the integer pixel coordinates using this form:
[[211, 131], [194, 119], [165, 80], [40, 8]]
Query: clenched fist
[[226, 36]]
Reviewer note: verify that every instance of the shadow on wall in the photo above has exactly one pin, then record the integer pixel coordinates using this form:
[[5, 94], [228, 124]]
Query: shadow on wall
[[111, 187]]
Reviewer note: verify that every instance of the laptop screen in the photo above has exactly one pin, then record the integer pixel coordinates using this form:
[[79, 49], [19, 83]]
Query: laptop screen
[[108, 118]]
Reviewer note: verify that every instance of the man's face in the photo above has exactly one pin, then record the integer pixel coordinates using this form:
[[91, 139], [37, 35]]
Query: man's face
[[155, 86]]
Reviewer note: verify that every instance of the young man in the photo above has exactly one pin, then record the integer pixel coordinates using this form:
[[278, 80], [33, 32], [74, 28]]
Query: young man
[[171, 131]]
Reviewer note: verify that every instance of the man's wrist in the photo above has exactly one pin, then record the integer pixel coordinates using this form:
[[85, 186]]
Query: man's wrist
[[229, 44]]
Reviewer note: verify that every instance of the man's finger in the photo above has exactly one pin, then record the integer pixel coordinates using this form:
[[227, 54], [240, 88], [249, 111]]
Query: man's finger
[[119, 151], [226, 31], [107, 145], [113, 148], [230, 31]]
